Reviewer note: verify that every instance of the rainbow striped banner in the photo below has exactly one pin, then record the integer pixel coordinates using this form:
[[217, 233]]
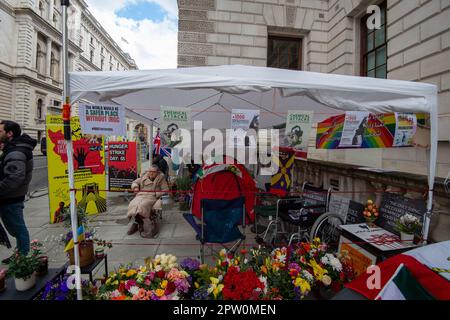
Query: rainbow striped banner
[[379, 131]]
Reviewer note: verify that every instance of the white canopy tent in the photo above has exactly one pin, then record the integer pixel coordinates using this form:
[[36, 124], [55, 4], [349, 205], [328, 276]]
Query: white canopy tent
[[211, 92]]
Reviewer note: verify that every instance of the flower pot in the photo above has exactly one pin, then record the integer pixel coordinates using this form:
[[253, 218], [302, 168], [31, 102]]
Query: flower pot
[[406, 237], [99, 253], [25, 284], [86, 249], [43, 267]]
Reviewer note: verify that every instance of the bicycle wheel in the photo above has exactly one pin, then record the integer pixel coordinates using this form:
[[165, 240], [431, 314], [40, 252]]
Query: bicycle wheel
[[326, 227]]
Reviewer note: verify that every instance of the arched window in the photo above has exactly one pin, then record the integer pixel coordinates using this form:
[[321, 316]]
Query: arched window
[[39, 109]]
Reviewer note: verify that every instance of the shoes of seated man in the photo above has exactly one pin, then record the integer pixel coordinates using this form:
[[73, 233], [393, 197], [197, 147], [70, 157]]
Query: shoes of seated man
[[133, 228]]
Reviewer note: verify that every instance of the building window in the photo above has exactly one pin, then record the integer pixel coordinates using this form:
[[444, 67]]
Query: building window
[[54, 67], [92, 40], [56, 103], [102, 63], [40, 59], [41, 8], [91, 58], [284, 53], [374, 48], [39, 109]]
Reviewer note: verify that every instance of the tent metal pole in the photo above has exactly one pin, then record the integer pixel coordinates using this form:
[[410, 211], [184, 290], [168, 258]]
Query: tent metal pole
[[69, 147], [150, 151], [432, 157]]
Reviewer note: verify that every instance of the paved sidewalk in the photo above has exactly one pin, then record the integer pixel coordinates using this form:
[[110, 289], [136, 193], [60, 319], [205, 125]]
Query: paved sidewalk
[[175, 237]]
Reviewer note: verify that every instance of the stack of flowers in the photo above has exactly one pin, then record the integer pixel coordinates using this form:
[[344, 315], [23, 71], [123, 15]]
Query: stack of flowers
[[160, 279], [290, 273]]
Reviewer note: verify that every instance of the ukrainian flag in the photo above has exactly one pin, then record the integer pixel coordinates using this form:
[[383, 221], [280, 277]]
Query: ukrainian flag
[[81, 237]]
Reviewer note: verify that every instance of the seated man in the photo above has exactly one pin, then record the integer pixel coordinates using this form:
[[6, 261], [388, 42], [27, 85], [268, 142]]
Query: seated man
[[147, 199]]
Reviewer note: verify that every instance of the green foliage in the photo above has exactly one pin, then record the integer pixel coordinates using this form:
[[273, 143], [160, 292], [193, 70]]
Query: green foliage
[[183, 183]]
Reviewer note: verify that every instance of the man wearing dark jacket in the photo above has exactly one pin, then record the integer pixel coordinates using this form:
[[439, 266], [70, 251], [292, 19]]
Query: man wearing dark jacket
[[16, 167]]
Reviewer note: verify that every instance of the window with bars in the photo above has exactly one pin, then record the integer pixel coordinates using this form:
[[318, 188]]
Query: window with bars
[[374, 48], [284, 53]]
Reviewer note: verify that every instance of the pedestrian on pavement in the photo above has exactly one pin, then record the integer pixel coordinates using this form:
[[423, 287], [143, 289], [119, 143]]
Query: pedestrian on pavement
[[16, 168]]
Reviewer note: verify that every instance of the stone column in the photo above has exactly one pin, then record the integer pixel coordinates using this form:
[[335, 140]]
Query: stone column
[[50, 11], [48, 57]]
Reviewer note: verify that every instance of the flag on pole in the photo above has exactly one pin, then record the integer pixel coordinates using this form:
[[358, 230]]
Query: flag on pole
[[403, 286], [157, 143], [81, 237]]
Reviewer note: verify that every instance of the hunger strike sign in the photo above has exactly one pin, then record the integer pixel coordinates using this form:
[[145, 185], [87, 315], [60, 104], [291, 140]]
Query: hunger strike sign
[[102, 119]]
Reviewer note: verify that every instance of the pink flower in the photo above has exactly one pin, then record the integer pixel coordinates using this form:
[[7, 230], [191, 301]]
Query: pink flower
[[129, 284]]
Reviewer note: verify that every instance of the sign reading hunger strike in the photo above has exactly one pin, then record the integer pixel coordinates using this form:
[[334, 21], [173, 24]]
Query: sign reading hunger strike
[[102, 119]]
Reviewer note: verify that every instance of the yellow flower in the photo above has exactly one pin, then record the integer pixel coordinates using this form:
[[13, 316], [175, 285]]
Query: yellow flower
[[108, 281], [302, 284], [223, 253], [131, 273], [164, 284], [115, 283], [215, 287], [236, 262], [319, 272], [196, 285], [159, 292]]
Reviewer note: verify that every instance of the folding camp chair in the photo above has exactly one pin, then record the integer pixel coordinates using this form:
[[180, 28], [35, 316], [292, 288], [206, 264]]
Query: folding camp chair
[[220, 220]]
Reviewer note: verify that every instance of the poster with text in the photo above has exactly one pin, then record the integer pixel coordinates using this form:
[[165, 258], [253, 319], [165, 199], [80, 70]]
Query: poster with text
[[244, 125], [89, 169], [172, 119], [363, 130], [405, 129], [354, 128], [123, 166], [298, 127], [106, 120]]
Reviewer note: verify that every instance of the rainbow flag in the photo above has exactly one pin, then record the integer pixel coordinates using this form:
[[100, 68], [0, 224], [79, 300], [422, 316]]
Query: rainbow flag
[[329, 132], [81, 237], [379, 131]]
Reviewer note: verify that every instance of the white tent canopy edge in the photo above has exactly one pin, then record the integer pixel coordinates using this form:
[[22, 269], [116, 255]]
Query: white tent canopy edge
[[144, 91]]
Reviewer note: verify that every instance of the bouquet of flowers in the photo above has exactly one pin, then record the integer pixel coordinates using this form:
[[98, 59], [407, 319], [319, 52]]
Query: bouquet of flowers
[[409, 224], [63, 289], [160, 279]]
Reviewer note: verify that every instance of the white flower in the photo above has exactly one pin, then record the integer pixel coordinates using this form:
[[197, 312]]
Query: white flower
[[134, 290], [336, 264], [308, 276], [325, 260], [264, 281]]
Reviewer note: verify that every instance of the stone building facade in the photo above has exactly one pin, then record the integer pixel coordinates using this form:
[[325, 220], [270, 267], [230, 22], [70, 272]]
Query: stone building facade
[[31, 57], [332, 37]]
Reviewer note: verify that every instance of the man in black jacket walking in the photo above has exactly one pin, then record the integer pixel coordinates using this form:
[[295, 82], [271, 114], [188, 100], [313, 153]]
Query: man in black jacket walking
[[16, 168]]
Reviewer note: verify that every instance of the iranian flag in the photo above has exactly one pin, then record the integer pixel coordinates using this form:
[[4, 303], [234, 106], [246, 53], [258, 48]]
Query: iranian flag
[[403, 286]]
